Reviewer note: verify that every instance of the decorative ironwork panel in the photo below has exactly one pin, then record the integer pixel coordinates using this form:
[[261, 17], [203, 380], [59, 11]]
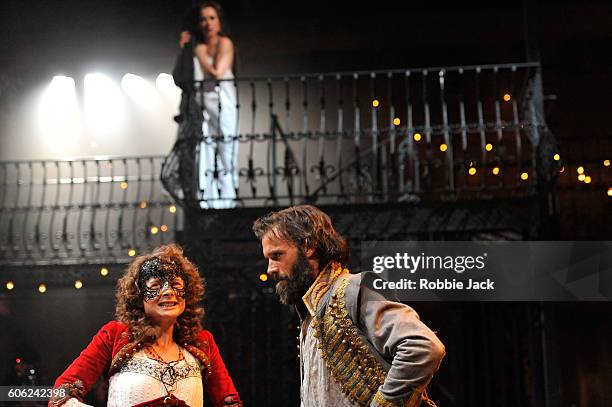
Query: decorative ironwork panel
[[102, 210]]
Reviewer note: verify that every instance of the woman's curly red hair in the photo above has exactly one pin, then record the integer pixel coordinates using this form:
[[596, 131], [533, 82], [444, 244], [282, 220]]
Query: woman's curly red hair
[[130, 306]]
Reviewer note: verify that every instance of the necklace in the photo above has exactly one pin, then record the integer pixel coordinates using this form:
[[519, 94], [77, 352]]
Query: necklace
[[152, 353], [168, 374]]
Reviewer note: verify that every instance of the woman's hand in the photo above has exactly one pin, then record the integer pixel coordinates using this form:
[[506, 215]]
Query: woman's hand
[[185, 38], [229, 402]]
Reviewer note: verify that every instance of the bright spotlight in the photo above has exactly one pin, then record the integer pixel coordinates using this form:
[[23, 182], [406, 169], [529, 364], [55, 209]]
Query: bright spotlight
[[140, 91], [58, 113], [104, 104], [165, 85]]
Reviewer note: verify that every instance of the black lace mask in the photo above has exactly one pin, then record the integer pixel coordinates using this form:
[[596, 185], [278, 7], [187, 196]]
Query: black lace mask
[[165, 272]]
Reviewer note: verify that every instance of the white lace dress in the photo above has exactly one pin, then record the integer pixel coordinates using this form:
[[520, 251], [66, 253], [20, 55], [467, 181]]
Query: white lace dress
[[142, 379]]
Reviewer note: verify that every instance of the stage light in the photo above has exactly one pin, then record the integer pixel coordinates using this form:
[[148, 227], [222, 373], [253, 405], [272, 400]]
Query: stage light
[[507, 97], [59, 119], [18, 360], [10, 285], [163, 228], [524, 176], [556, 157], [123, 185], [606, 163], [580, 170], [131, 252], [375, 103], [472, 171], [610, 191], [172, 209], [78, 284], [495, 170], [104, 272], [489, 147], [154, 230], [396, 121], [104, 104], [581, 177], [42, 288], [443, 147], [417, 136], [587, 179], [165, 85], [143, 204], [140, 91], [263, 277]]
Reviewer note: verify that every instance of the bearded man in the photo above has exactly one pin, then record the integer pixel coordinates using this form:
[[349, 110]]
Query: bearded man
[[356, 347]]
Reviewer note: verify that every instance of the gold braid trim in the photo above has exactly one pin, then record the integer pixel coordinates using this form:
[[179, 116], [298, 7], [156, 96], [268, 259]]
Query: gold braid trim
[[347, 357], [74, 389], [124, 354], [201, 356], [325, 280], [413, 401]]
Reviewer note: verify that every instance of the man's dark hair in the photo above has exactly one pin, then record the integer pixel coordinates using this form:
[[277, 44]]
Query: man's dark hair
[[307, 227]]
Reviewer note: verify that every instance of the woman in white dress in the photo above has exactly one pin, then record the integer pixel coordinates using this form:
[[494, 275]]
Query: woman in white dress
[[213, 61]]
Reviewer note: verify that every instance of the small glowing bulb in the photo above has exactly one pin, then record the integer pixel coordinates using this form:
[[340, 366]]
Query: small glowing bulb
[[263, 277], [375, 103], [524, 176], [587, 179], [507, 97], [562, 169], [163, 228], [143, 204], [78, 284], [396, 121], [154, 230], [580, 170], [42, 288], [443, 147], [417, 136], [131, 252], [10, 285], [124, 185], [472, 171], [172, 209], [606, 163], [104, 272], [610, 191], [489, 147], [556, 157], [581, 177], [495, 170]]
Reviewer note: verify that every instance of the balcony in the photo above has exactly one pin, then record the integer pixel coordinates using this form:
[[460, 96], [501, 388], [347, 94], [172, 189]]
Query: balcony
[[415, 138]]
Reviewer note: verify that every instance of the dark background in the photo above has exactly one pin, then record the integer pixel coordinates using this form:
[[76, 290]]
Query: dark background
[[489, 346]]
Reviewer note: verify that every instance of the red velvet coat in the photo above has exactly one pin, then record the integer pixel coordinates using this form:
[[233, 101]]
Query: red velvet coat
[[111, 347]]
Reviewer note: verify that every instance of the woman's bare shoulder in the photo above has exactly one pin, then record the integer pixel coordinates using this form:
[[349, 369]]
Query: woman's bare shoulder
[[226, 42]]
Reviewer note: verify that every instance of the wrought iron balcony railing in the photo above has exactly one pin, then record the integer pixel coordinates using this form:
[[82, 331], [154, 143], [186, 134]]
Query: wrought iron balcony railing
[[362, 137], [101, 210], [380, 136]]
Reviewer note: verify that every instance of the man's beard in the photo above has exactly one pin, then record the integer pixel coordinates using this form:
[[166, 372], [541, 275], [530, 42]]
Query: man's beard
[[290, 290]]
